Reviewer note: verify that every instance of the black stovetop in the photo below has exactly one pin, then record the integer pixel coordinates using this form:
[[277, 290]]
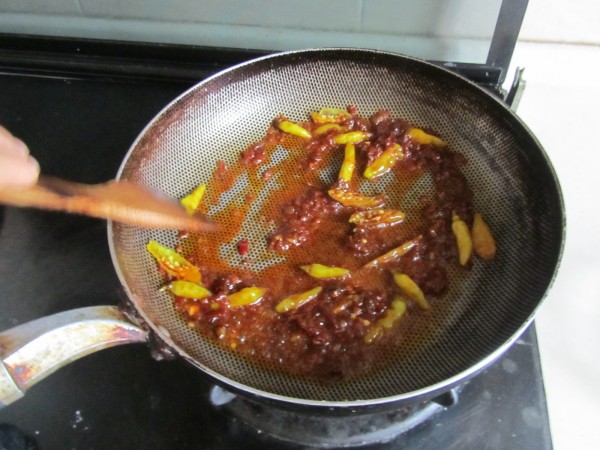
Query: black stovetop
[[79, 126]]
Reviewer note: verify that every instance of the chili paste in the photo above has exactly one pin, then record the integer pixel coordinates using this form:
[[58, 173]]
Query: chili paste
[[350, 269]]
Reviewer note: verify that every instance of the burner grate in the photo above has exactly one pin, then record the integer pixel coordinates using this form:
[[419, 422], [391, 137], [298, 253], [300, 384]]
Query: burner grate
[[324, 431]]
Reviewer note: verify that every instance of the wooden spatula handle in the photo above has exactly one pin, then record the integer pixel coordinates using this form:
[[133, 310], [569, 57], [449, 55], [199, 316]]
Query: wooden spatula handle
[[116, 200]]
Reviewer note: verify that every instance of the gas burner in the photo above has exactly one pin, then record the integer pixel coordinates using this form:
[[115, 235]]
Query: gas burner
[[328, 431]]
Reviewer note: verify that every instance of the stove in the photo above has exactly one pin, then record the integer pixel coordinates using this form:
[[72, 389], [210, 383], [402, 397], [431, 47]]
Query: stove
[[79, 104]]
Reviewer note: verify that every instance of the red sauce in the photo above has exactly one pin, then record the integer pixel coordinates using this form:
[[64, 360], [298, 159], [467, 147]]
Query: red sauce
[[325, 338]]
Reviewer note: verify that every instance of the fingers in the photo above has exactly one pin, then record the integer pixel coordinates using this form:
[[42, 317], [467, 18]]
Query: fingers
[[11, 144], [18, 171], [17, 167]]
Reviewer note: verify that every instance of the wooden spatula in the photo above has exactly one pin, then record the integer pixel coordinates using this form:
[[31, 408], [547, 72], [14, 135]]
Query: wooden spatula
[[120, 201]]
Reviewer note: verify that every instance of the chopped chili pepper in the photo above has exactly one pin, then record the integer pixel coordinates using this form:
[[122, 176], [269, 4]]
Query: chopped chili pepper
[[173, 263], [349, 198], [374, 333], [330, 115], [464, 243], [192, 309], [394, 254], [484, 243], [352, 137], [390, 318], [394, 313], [347, 168], [294, 129], [324, 272], [243, 246], [188, 289], [384, 162], [191, 202], [375, 218], [221, 168], [267, 175], [246, 296], [295, 301], [328, 127], [425, 138], [410, 289]]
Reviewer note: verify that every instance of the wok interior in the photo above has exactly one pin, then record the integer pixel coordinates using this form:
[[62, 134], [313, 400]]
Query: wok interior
[[513, 184]]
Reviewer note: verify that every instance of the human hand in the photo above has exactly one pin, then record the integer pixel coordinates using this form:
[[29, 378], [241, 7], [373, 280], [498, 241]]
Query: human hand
[[17, 166]]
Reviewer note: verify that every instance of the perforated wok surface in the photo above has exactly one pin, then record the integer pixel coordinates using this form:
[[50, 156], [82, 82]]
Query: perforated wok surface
[[513, 182]]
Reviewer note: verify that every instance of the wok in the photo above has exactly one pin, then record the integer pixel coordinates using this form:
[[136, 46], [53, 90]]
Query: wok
[[514, 185]]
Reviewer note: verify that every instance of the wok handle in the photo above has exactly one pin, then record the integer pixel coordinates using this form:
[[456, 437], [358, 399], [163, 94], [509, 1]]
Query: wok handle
[[32, 351]]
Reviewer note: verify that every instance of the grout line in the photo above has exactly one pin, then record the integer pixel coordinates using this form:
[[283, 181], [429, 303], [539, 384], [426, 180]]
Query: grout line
[[361, 14], [557, 42]]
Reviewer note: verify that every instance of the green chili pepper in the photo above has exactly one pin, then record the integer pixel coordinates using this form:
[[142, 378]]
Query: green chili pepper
[[246, 296], [173, 263], [188, 289], [295, 301]]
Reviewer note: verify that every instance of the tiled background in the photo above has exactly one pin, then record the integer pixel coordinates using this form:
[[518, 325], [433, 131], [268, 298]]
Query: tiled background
[[432, 29], [573, 21], [380, 16], [560, 49], [560, 105]]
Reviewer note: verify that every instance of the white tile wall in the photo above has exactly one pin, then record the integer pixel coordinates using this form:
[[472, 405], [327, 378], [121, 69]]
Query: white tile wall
[[573, 21], [451, 18], [457, 30], [560, 105], [333, 15], [462, 18], [55, 7]]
